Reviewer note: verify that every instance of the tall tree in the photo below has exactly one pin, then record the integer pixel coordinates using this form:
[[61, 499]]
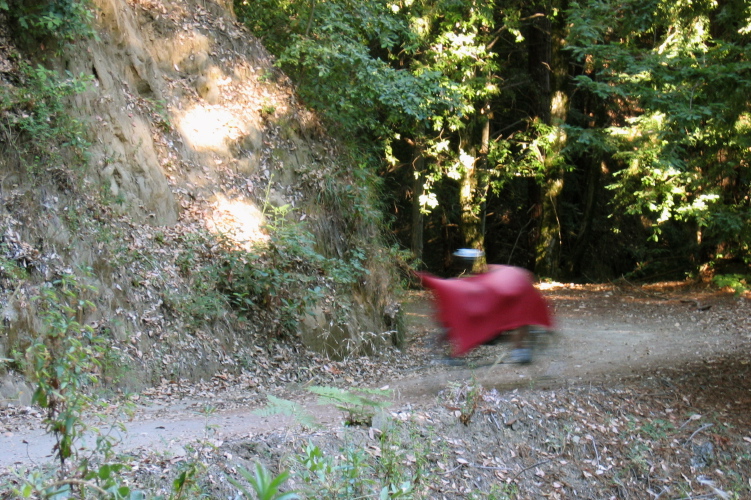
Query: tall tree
[[673, 78], [549, 108]]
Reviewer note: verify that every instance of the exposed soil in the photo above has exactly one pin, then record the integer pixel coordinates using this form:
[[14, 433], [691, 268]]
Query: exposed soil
[[641, 392]]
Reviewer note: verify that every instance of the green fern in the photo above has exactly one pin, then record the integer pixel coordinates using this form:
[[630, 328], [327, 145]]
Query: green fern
[[279, 406], [359, 408]]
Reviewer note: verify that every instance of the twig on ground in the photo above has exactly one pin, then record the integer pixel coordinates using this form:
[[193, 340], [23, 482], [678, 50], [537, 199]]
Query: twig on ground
[[78, 482], [448, 472], [488, 467], [532, 467], [703, 427], [594, 445], [495, 421]]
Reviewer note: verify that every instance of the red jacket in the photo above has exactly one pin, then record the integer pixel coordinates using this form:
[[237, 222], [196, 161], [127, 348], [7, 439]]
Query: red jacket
[[477, 308]]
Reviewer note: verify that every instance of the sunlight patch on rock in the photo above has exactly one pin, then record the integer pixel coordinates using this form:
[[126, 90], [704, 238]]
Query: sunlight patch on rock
[[240, 220], [209, 128]]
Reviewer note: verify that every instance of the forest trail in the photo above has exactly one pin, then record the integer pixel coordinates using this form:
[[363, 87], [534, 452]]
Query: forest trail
[[604, 333]]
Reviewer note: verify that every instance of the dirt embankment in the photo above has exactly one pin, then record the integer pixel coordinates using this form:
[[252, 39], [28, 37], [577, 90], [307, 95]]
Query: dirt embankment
[[195, 138]]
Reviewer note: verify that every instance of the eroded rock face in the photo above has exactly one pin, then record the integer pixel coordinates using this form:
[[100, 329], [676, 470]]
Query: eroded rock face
[[192, 129]]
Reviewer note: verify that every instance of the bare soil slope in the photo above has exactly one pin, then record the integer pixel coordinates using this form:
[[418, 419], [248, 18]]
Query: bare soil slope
[[197, 145]]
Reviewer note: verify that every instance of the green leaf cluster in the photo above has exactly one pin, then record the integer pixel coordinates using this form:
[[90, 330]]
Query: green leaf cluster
[[65, 360], [349, 474], [42, 137], [674, 78], [62, 20], [279, 406], [377, 67], [388, 73], [265, 486], [359, 404]]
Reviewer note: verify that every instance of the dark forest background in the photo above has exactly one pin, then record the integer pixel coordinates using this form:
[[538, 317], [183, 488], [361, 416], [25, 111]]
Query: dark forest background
[[583, 140]]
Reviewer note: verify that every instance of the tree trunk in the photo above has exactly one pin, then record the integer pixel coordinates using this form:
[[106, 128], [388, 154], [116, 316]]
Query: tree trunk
[[418, 188], [473, 191], [482, 165], [585, 228], [548, 69]]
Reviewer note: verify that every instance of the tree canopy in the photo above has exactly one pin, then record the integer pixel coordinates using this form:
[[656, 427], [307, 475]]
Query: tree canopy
[[585, 139]]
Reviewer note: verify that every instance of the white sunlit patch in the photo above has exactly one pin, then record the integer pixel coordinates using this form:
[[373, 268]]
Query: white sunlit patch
[[553, 285], [466, 160], [209, 128], [239, 220], [428, 200], [700, 204]]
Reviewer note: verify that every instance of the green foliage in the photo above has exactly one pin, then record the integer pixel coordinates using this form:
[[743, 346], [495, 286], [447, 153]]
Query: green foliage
[[42, 137], [316, 466], [390, 467], [65, 360], [185, 483], [739, 283], [354, 192], [326, 477], [358, 404], [660, 103], [352, 472], [279, 406], [203, 301], [264, 485], [278, 279], [370, 67], [343, 53], [347, 475], [673, 77], [400, 79], [403, 490], [63, 20], [104, 483], [11, 273]]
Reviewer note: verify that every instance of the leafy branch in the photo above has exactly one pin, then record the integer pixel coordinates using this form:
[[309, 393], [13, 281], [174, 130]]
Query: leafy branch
[[356, 404]]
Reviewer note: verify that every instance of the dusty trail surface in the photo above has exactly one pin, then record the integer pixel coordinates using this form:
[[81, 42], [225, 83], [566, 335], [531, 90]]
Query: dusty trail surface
[[603, 332], [609, 340]]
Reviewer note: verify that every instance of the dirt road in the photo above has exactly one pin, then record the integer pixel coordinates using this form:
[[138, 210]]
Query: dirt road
[[603, 333]]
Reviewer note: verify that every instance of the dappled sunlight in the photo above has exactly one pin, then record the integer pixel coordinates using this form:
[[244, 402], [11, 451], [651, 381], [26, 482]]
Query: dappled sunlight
[[240, 220], [552, 285], [210, 128]]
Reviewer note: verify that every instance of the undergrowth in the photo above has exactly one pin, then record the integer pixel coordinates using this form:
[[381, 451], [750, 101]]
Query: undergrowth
[[280, 279], [40, 138], [53, 21], [65, 362]]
